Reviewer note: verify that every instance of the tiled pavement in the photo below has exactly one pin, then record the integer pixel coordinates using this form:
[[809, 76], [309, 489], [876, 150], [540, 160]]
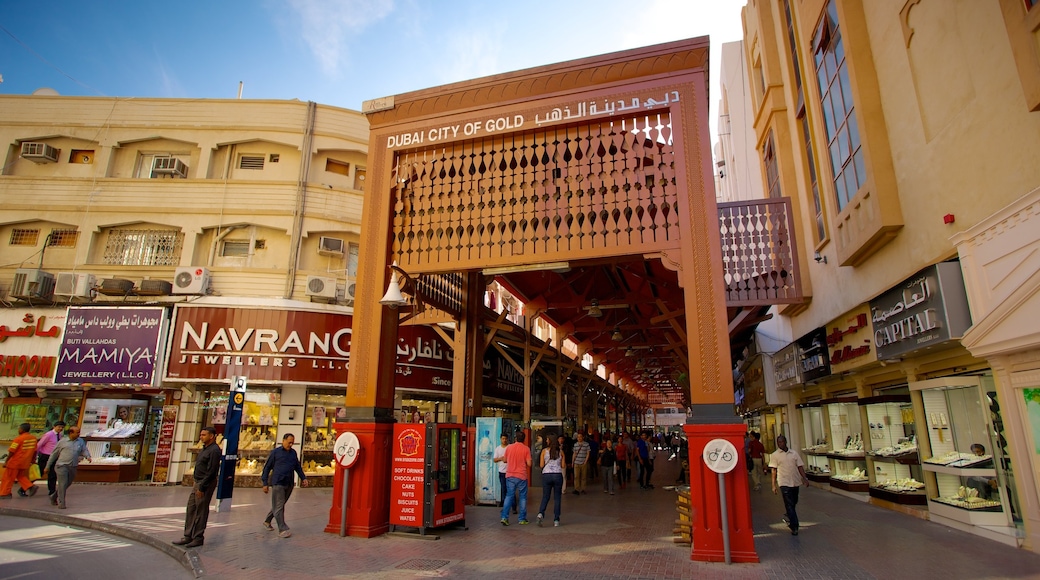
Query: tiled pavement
[[628, 535]]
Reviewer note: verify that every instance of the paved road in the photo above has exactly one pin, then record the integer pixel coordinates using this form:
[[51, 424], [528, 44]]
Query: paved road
[[31, 549], [628, 535]]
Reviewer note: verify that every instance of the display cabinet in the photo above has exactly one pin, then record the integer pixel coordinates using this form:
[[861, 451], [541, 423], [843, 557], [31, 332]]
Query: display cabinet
[[319, 437], [814, 434], [894, 465], [967, 485], [114, 432], [847, 458], [257, 436]]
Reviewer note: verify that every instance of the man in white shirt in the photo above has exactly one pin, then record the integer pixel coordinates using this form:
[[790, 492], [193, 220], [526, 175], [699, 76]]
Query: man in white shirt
[[499, 458], [788, 473]]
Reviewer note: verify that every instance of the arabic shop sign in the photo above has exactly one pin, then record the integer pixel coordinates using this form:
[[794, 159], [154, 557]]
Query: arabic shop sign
[[850, 340], [213, 344], [814, 362], [29, 341], [424, 360], [928, 308], [110, 345], [787, 372], [568, 113]]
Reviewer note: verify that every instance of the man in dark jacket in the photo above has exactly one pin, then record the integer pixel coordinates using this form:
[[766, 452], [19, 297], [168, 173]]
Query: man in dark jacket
[[278, 472], [207, 469]]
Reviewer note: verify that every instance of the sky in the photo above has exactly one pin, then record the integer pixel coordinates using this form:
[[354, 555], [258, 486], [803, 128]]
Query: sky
[[334, 52]]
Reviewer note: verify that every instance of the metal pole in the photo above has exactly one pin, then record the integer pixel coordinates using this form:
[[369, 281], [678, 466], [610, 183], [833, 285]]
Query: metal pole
[[343, 515], [725, 518]]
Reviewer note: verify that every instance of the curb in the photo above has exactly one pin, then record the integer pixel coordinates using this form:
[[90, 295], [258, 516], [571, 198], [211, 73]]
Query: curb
[[187, 558]]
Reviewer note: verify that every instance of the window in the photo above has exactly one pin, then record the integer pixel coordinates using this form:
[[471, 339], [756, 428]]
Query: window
[[24, 237], [162, 165], [333, 166], [772, 172], [235, 248], [352, 260], [274, 157], [251, 162], [63, 239], [839, 114], [359, 179], [143, 248], [810, 153]]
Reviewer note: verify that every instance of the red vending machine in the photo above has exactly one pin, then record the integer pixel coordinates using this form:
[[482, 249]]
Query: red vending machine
[[428, 473]]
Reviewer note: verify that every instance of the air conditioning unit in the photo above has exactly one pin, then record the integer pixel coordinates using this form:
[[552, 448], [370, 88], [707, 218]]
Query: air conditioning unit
[[32, 284], [116, 287], [154, 288], [321, 287], [169, 166], [348, 293], [39, 152], [191, 280], [72, 285], [331, 246]]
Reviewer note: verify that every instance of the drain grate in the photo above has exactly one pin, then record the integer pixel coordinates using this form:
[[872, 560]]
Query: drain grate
[[422, 564]]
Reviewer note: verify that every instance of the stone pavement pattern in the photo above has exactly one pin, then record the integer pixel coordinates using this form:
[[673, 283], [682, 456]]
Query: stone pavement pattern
[[628, 535]]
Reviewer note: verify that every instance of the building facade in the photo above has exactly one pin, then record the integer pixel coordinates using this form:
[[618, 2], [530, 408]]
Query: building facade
[[901, 131]]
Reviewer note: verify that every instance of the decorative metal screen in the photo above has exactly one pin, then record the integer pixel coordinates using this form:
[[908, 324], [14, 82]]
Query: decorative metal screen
[[549, 192], [143, 247], [63, 238], [758, 254], [24, 237]]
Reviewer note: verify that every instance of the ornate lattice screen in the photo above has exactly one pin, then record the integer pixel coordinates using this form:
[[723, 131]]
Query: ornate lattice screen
[[594, 189]]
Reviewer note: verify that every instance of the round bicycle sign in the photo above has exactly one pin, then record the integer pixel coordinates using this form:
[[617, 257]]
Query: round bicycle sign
[[720, 455], [347, 449]]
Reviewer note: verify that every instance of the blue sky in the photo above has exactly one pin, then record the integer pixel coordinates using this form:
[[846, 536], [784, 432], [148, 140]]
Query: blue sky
[[335, 52]]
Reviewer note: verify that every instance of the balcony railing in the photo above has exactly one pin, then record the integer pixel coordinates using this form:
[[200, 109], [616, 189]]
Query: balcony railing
[[759, 254]]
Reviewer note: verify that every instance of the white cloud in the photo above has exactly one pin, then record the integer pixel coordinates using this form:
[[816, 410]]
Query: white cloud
[[326, 25], [474, 55]]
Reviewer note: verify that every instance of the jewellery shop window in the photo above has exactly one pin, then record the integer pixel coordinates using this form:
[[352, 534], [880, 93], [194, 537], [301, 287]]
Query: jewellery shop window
[[257, 436], [113, 430], [318, 435], [40, 414]]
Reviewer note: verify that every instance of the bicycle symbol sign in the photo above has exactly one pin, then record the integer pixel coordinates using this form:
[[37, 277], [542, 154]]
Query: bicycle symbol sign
[[720, 455], [347, 449]]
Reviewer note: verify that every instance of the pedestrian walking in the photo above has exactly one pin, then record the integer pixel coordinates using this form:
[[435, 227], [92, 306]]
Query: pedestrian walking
[[63, 462], [788, 472], [582, 452], [554, 466], [277, 475], [499, 459], [518, 468], [607, 460], [646, 460], [621, 460], [758, 453], [207, 468], [44, 448], [20, 457]]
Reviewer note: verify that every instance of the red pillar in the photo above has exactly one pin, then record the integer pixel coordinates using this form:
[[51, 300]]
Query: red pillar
[[368, 501], [704, 498]]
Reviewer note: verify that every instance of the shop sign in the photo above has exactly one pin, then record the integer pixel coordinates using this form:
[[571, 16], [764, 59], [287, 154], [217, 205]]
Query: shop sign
[[787, 372], [928, 308], [29, 342], [814, 362], [424, 360], [112, 345], [501, 379], [408, 475], [754, 385], [213, 344], [850, 340], [164, 448]]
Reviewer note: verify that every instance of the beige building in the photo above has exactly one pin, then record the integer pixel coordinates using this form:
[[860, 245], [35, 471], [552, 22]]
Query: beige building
[[903, 132], [248, 208]]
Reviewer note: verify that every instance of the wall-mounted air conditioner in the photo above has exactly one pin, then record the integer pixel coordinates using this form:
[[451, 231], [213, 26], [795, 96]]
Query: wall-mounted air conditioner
[[191, 280], [32, 284], [331, 246], [321, 287], [348, 293], [39, 152], [73, 285], [169, 166]]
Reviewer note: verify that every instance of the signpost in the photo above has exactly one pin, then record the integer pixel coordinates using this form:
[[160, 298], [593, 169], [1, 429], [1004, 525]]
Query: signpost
[[347, 450], [226, 484], [721, 457]]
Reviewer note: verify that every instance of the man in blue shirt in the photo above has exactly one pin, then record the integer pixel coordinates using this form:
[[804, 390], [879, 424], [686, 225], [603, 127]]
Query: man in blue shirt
[[278, 472]]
